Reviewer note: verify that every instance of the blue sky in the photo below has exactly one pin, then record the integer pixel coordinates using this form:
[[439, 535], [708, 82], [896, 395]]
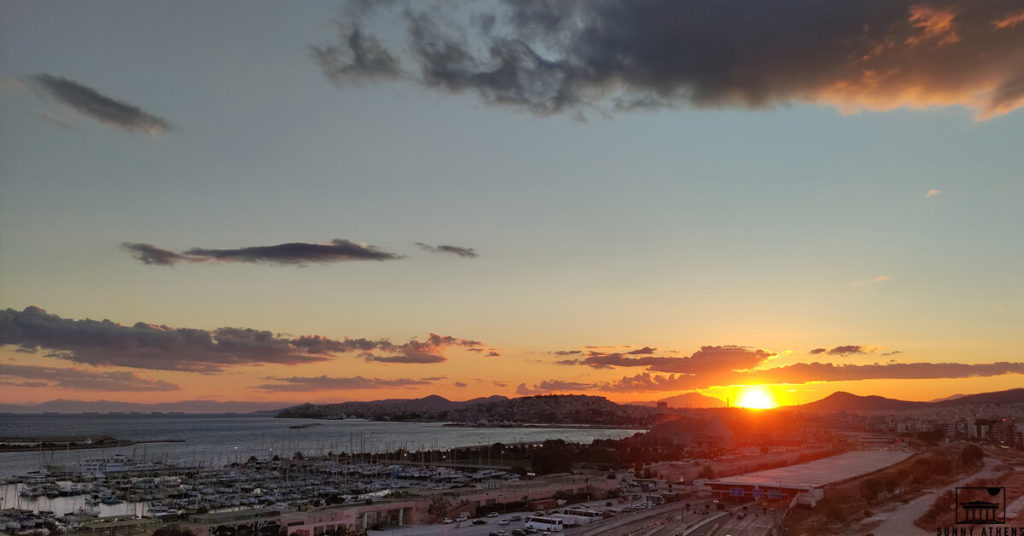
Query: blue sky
[[787, 227]]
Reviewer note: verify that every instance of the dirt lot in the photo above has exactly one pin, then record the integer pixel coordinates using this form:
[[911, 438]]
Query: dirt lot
[[848, 503]]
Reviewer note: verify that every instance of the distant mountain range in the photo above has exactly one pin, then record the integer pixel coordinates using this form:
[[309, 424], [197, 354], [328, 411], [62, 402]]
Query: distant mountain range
[[428, 407], [843, 401], [558, 408], [107, 406], [491, 411]]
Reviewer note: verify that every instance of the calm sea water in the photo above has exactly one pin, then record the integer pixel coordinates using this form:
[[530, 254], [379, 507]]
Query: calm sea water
[[217, 440]]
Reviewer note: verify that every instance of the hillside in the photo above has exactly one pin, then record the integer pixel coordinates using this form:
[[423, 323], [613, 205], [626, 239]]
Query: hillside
[[495, 410], [429, 408], [843, 401], [1010, 396]]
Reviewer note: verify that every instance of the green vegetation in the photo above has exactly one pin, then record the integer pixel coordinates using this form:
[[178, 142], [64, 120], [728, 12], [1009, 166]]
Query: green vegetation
[[172, 530]]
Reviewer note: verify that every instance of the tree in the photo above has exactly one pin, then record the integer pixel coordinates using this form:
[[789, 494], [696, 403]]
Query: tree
[[871, 488], [438, 508], [972, 455], [172, 530]]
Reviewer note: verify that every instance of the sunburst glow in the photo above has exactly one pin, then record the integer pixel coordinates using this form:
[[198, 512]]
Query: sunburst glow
[[755, 397]]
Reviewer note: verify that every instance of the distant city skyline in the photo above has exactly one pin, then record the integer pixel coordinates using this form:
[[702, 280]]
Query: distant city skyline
[[355, 201]]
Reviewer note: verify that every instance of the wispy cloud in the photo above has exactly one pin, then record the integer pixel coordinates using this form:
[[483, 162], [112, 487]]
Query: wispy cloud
[[149, 346], [292, 253], [932, 193], [327, 383], [451, 250], [853, 349], [79, 379], [355, 56], [1011, 20], [880, 278], [620, 55], [150, 254], [95, 105]]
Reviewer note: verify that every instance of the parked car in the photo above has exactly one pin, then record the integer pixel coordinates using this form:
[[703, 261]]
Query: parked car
[[479, 521], [447, 521], [492, 514]]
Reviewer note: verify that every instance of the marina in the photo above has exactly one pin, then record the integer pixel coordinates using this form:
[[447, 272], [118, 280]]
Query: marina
[[215, 440]]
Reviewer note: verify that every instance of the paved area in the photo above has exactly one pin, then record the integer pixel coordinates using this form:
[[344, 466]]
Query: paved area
[[826, 470], [901, 520]]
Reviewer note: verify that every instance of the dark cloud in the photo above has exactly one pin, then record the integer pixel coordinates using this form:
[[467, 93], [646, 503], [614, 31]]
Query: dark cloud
[[327, 383], [894, 352], [422, 352], [560, 385], [619, 55], [549, 386], [852, 349], [355, 56], [709, 359], [158, 347], [567, 352], [459, 384], [150, 254], [569, 362], [812, 372], [523, 390], [292, 253], [91, 103], [817, 351], [452, 250], [601, 360], [412, 358], [79, 379], [486, 352], [296, 253]]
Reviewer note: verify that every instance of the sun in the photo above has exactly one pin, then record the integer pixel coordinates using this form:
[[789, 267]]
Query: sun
[[756, 397]]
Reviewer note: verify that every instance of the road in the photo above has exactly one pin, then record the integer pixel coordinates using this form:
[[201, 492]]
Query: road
[[656, 521], [901, 520]]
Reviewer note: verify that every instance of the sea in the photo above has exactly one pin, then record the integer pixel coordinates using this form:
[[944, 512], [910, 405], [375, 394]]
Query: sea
[[216, 440]]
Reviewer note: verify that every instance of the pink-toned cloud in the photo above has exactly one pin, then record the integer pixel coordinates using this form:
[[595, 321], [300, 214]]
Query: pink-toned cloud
[[1011, 20]]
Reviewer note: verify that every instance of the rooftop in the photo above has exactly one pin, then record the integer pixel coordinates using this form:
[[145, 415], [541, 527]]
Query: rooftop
[[824, 471]]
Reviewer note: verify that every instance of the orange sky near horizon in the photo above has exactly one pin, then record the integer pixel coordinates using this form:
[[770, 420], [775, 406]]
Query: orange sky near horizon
[[463, 377]]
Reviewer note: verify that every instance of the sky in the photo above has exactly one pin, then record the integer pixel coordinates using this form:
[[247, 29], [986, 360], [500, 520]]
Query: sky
[[332, 201]]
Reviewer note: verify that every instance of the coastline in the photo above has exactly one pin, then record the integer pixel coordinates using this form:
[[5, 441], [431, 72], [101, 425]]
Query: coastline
[[566, 426], [45, 445]]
